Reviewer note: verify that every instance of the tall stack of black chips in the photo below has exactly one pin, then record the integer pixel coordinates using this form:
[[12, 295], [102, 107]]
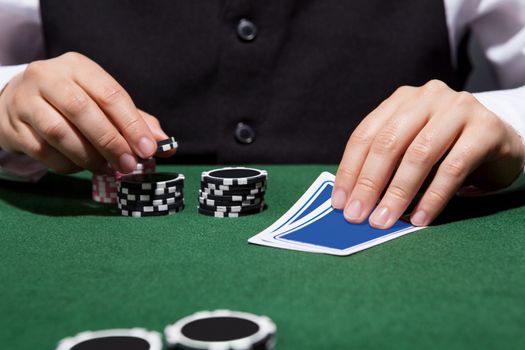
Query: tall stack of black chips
[[153, 194], [232, 192]]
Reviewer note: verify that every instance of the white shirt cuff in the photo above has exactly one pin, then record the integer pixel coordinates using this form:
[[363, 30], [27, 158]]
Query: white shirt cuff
[[509, 105], [9, 72]]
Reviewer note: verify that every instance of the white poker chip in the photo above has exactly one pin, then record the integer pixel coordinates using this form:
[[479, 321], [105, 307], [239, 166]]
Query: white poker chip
[[135, 338], [222, 330]]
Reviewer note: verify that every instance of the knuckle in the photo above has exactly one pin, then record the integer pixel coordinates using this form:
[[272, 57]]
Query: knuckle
[[109, 139], [346, 173], [437, 197], [464, 98], [360, 137], [111, 95], [454, 168], [76, 103], [434, 86], [131, 124], [403, 90], [72, 56], [420, 152], [367, 184], [56, 131], [386, 141], [34, 70], [397, 192], [37, 150]]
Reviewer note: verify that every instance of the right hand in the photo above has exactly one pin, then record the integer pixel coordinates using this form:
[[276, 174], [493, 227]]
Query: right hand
[[69, 114]]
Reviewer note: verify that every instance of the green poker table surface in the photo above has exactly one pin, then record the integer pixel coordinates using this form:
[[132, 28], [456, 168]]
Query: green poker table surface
[[69, 265]]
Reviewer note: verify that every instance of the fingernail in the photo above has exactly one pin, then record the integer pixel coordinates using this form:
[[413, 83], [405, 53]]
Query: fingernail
[[127, 163], [353, 211], [146, 147], [419, 218], [339, 198], [380, 216]]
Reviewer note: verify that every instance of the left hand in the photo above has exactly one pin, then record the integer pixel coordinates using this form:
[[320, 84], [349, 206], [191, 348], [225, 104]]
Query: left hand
[[415, 130]]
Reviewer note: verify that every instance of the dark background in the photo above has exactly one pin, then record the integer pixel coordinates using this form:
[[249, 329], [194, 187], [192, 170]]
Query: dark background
[[482, 77]]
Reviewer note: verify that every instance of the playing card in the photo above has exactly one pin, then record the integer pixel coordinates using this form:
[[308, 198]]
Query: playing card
[[312, 225]]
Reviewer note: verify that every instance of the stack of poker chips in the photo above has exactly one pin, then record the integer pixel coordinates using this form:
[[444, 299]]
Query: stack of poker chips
[[222, 329], [104, 186], [155, 194], [232, 192], [218, 329]]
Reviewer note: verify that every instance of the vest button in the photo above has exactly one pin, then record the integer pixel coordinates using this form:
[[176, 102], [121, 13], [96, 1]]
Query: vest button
[[246, 30], [244, 133]]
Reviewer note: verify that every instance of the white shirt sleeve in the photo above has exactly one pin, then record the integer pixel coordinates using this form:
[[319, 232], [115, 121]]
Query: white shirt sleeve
[[499, 27], [21, 42], [21, 38]]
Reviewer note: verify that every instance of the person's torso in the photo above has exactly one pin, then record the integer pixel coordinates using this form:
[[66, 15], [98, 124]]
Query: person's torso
[[314, 69]]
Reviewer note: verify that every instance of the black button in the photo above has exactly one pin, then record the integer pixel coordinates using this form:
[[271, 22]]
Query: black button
[[246, 30], [244, 133]]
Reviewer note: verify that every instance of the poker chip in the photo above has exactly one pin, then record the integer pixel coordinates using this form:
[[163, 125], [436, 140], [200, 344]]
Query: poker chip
[[231, 208], [151, 181], [135, 338], [221, 214], [166, 145], [234, 176], [212, 186], [213, 203], [232, 198], [245, 192], [140, 201], [105, 186], [153, 194], [222, 329], [129, 206], [140, 213], [232, 192]]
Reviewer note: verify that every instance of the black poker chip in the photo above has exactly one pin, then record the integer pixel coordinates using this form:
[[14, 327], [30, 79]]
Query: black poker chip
[[232, 209], [143, 201], [113, 339], [227, 203], [138, 213], [151, 181], [234, 176], [145, 208], [212, 186], [148, 197], [249, 192], [222, 329], [167, 191], [166, 145], [220, 214], [233, 198]]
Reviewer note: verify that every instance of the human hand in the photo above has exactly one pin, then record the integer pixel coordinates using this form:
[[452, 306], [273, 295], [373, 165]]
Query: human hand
[[412, 133], [69, 114]]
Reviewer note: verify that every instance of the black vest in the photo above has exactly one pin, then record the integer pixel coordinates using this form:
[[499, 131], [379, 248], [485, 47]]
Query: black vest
[[314, 69]]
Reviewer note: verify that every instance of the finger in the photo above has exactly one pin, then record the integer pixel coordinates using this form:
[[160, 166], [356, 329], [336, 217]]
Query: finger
[[73, 103], [466, 155], [358, 146], [385, 153], [423, 153], [157, 132], [57, 130], [116, 103], [37, 148]]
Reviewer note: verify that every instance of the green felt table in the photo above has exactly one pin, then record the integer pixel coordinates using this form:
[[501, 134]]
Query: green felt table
[[69, 264]]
